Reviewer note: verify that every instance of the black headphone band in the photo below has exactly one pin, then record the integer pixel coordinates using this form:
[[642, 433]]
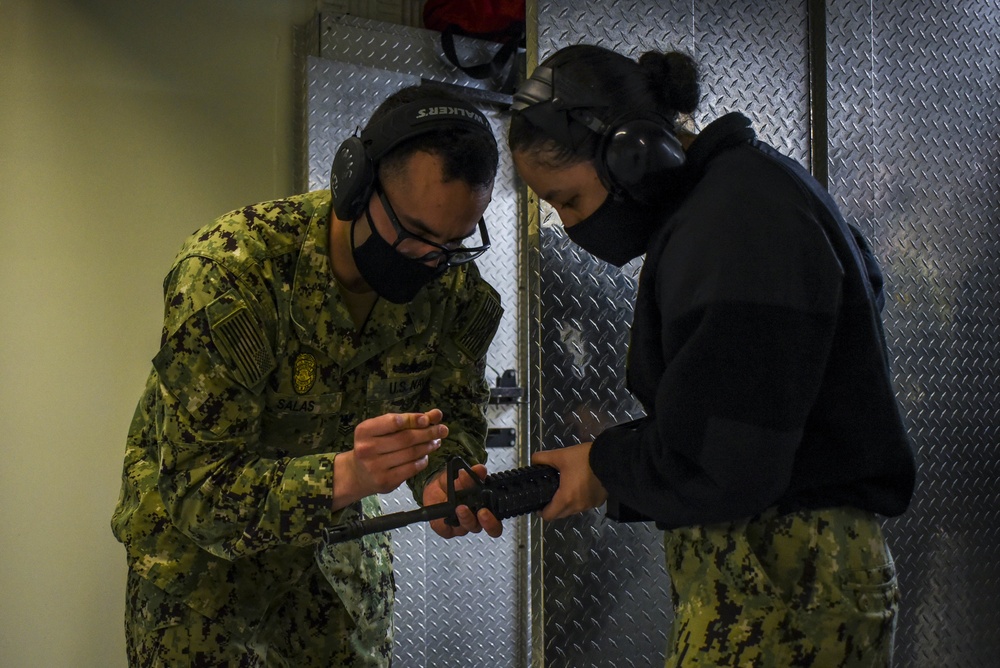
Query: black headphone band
[[631, 147], [418, 117], [355, 165], [537, 89]]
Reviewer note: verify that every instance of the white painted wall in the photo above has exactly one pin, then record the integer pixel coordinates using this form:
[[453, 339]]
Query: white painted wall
[[124, 126]]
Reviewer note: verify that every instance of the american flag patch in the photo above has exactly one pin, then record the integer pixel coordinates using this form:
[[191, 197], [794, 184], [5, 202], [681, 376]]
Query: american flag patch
[[240, 339], [477, 333]]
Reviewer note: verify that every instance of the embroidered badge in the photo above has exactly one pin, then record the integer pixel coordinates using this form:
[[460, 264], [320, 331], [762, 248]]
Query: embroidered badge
[[305, 373]]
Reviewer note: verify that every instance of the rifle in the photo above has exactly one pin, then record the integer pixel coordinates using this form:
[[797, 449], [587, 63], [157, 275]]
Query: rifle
[[505, 494]]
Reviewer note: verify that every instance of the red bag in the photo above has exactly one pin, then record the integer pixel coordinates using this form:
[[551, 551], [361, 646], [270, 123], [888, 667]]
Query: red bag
[[499, 21], [494, 20]]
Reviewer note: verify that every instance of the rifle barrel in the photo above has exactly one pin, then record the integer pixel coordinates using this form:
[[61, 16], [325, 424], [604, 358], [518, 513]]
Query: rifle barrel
[[369, 525]]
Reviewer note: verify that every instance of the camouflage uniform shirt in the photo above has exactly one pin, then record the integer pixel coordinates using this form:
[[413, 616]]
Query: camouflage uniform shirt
[[260, 380]]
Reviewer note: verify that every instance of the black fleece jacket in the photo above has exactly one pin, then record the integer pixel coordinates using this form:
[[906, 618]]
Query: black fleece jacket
[[757, 352]]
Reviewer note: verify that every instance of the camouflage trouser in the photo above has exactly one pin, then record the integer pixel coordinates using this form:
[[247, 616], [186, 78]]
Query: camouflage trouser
[[300, 627], [811, 588]]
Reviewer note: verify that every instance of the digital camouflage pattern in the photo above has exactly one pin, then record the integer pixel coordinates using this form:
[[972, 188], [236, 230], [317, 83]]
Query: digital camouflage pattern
[[260, 380], [164, 632], [810, 588]]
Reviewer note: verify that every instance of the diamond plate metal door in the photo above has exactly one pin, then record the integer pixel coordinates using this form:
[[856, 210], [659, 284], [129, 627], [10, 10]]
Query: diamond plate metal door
[[915, 159], [458, 602]]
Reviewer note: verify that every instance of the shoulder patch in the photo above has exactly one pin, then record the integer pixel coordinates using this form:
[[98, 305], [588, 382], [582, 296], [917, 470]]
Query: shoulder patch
[[239, 335], [480, 326]]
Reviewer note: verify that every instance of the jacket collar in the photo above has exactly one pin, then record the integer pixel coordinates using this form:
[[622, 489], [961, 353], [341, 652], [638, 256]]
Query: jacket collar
[[321, 318], [725, 132]]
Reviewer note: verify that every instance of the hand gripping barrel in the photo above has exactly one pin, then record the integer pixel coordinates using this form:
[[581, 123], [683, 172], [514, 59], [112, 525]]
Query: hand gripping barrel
[[505, 494]]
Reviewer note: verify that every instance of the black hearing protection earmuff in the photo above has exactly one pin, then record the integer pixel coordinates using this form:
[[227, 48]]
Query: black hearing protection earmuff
[[355, 166], [632, 147]]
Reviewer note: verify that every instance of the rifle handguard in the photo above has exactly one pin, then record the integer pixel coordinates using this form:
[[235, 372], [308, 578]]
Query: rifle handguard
[[513, 492], [505, 494]]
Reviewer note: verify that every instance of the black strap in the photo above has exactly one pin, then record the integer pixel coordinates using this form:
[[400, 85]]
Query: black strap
[[512, 37]]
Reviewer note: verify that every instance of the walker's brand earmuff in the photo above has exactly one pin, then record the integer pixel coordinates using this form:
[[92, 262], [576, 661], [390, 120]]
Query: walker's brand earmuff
[[632, 147], [355, 166]]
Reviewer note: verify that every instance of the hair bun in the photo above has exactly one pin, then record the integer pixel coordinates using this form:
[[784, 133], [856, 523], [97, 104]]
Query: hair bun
[[674, 79]]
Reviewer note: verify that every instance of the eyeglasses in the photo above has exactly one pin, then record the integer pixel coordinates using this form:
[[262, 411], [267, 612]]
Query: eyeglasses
[[409, 244]]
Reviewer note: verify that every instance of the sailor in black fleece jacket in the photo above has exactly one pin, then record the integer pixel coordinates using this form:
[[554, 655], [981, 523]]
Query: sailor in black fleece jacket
[[772, 435]]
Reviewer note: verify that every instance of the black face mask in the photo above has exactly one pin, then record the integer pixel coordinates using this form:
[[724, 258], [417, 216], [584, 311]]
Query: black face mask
[[392, 275], [618, 231]]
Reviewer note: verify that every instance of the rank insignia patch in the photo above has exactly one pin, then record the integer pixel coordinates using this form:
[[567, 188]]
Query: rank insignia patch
[[305, 373]]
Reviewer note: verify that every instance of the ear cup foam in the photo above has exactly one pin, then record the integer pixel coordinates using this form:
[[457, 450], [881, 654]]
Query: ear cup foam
[[634, 151], [352, 179]]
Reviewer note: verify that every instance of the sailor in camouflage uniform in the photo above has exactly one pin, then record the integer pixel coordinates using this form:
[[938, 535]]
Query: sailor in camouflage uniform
[[293, 333]]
